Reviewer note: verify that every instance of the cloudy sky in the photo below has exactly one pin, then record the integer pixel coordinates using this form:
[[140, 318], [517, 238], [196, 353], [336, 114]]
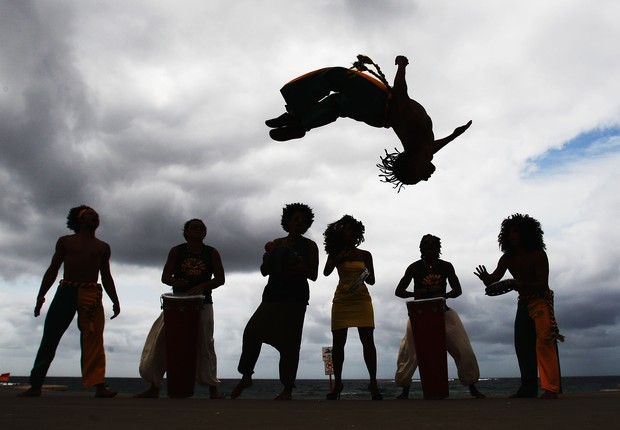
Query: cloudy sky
[[153, 112]]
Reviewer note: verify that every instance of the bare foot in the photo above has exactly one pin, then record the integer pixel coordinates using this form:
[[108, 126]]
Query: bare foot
[[475, 393], [404, 395], [104, 392], [549, 395], [30, 392], [286, 394], [215, 394], [245, 382], [150, 393]]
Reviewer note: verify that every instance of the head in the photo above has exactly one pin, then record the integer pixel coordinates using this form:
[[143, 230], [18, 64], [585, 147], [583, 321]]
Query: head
[[430, 247], [194, 228], [297, 218], [347, 231], [520, 231], [81, 215], [404, 168]]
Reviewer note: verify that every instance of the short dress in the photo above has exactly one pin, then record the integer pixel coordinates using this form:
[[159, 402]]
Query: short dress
[[351, 309]]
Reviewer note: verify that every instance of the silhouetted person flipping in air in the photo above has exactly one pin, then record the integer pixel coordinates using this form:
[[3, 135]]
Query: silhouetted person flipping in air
[[536, 331], [84, 258], [322, 96]]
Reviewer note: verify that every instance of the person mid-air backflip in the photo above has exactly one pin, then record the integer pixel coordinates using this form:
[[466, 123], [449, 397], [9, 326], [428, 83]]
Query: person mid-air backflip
[[322, 96]]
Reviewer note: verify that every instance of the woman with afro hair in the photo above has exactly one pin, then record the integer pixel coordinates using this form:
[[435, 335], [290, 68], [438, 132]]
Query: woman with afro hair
[[352, 305]]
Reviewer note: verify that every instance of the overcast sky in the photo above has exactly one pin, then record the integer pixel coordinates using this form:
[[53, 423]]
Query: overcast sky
[[153, 112]]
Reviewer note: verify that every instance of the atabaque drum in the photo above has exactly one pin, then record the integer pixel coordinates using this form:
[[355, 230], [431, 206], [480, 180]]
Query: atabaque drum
[[181, 322], [429, 336]]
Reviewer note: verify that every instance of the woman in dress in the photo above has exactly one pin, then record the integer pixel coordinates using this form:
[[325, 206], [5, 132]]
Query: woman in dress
[[352, 305]]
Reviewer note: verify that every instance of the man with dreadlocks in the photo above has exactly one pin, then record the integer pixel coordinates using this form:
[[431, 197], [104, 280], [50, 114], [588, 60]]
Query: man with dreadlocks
[[536, 331], [84, 258], [430, 277], [322, 96]]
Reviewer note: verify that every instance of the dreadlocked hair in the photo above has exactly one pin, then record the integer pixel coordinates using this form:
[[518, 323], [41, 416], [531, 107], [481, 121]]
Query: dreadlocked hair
[[360, 65], [73, 219], [429, 239], [530, 232], [333, 234], [389, 167]]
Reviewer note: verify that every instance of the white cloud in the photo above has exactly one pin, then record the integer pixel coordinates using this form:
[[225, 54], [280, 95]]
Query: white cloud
[[154, 113]]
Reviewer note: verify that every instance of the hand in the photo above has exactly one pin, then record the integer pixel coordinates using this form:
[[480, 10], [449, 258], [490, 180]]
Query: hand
[[116, 308], [198, 290], [460, 130], [401, 60], [178, 283], [38, 306], [481, 272]]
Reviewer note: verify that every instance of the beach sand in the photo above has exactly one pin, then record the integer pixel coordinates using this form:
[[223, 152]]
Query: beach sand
[[72, 410]]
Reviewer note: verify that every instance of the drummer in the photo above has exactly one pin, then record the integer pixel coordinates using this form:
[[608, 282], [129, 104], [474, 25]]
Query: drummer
[[430, 277], [192, 268]]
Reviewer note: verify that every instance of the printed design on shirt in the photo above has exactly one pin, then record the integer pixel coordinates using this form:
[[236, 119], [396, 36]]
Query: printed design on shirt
[[193, 266], [432, 282]]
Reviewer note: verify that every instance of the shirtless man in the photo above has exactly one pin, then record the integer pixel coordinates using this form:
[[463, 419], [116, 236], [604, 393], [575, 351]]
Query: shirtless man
[[320, 97], [536, 331], [84, 258]]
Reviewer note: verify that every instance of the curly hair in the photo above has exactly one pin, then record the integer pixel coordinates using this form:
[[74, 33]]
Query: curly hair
[[187, 223], [289, 210], [529, 229], [73, 219], [431, 240], [333, 234]]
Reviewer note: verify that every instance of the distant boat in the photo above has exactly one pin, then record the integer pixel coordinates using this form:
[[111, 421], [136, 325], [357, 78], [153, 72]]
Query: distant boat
[[5, 377]]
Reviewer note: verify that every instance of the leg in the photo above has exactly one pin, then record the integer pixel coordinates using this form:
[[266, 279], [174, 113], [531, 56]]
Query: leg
[[546, 348], [91, 322], [321, 97], [287, 340], [370, 358], [406, 364], [59, 316], [153, 359], [459, 347], [250, 351], [206, 359], [339, 339], [525, 347]]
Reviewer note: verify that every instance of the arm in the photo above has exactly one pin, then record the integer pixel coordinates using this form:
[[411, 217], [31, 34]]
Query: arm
[[370, 280], [401, 288], [455, 285], [312, 265], [335, 260], [400, 84], [489, 278], [440, 143], [50, 276], [108, 282], [167, 276]]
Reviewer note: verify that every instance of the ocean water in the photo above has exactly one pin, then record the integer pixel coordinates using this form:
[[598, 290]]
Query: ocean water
[[353, 389]]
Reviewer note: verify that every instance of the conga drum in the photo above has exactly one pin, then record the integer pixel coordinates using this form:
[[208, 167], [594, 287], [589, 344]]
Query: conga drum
[[429, 336], [181, 321]]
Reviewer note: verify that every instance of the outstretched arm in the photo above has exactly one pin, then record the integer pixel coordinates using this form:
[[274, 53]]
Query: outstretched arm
[[440, 143], [400, 84]]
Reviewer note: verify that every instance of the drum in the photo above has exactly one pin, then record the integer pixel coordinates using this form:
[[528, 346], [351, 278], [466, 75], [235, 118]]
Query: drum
[[181, 321], [429, 336]]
